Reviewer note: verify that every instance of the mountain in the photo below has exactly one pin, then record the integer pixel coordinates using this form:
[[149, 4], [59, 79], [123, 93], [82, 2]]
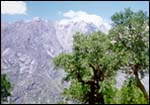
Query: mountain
[[27, 51], [67, 27]]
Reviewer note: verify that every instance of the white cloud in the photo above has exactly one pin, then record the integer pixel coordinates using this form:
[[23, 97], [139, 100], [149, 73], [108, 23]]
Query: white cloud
[[13, 7], [72, 14], [78, 16]]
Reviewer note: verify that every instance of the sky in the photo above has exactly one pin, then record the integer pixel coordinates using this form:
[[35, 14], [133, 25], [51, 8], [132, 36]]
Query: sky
[[57, 10]]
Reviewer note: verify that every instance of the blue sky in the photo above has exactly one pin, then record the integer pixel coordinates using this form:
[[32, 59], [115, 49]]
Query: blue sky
[[53, 10]]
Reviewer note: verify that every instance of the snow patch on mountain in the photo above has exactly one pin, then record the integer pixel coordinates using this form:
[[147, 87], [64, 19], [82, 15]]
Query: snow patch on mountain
[[78, 22], [80, 16]]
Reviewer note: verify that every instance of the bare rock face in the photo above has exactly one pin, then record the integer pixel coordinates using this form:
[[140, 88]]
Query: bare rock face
[[27, 51]]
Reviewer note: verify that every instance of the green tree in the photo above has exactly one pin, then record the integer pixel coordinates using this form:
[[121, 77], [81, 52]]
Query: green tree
[[5, 88], [130, 93], [87, 67], [130, 34]]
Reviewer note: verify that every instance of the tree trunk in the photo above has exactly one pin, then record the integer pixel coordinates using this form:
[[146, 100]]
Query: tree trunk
[[91, 94], [139, 83], [141, 86], [102, 98], [94, 96]]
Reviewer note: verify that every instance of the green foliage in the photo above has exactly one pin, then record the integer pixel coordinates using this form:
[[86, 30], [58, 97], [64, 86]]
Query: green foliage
[[5, 88], [109, 90], [88, 49], [126, 46], [130, 94], [132, 37], [76, 92], [93, 49], [131, 33], [62, 102]]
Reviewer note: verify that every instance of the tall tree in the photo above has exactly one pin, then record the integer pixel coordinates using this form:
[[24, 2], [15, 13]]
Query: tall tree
[[88, 66], [130, 33]]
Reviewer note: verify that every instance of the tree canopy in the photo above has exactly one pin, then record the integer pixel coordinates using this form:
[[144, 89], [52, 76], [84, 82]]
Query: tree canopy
[[90, 63], [131, 32], [96, 58]]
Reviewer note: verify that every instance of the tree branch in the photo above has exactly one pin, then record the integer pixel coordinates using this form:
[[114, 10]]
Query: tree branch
[[139, 83]]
